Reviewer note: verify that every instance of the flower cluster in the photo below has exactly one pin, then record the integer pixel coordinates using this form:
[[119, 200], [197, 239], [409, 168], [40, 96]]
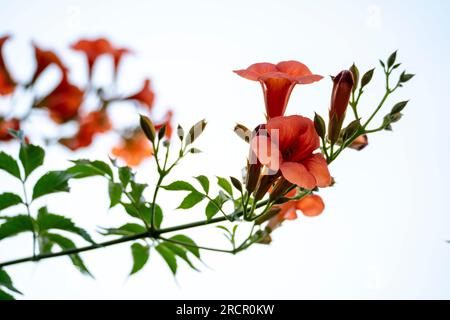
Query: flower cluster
[[289, 155], [86, 105], [288, 163]]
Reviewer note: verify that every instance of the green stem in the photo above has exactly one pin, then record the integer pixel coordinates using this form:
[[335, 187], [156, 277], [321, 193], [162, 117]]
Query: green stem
[[143, 235], [218, 207], [27, 205], [195, 246]]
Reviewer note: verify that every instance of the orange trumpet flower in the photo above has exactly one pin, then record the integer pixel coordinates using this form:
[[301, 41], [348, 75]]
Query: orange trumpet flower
[[146, 96], [310, 206], [63, 102], [45, 58], [288, 147], [278, 81], [90, 125], [93, 49], [134, 150]]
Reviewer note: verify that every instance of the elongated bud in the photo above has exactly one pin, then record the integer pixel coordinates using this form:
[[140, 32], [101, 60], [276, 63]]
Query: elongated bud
[[355, 72], [148, 127], [342, 89], [162, 132], [319, 125], [351, 130], [272, 212], [252, 176], [264, 184], [196, 131], [180, 132], [280, 189], [236, 183]]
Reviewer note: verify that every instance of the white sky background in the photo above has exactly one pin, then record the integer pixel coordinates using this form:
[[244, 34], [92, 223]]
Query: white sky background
[[386, 221]]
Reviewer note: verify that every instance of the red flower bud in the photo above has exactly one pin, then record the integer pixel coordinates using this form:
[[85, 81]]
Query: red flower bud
[[342, 89]]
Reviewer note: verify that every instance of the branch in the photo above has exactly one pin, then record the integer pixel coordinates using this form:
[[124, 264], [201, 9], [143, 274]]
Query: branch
[[149, 234]]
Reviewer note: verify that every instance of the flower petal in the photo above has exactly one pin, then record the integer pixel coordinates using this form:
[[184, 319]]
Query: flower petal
[[277, 91], [297, 137], [307, 79], [318, 167], [293, 68], [311, 205], [256, 70], [298, 174], [266, 151]]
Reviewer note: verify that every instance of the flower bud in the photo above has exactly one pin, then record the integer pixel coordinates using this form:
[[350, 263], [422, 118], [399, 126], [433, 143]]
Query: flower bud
[[253, 164], [251, 179], [148, 128], [264, 184], [196, 131], [272, 212], [319, 125], [359, 143], [342, 89], [180, 132], [280, 188], [243, 132], [355, 72], [351, 130]]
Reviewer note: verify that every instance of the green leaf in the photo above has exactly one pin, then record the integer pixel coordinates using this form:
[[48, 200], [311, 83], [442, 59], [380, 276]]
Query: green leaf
[[8, 164], [204, 182], [9, 199], [31, 157], [191, 245], [86, 168], [131, 209], [15, 225], [136, 191], [5, 296], [125, 230], [67, 244], [125, 175], [140, 255], [115, 193], [168, 256], [191, 200], [366, 78], [6, 282], [391, 59], [179, 185], [213, 207], [158, 215], [48, 221], [51, 182], [180, 252], [225, 185]]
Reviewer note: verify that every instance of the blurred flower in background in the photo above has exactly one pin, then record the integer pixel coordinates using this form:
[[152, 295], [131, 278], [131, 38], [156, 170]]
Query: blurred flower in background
[[86, 106]]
